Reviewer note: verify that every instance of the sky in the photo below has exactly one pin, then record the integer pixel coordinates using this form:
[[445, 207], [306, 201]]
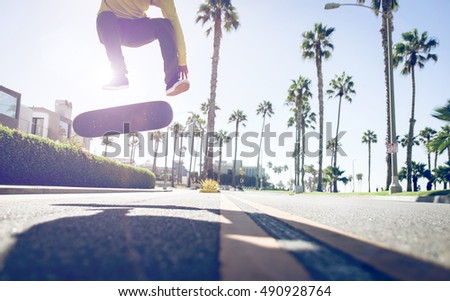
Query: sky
[[50, 50]]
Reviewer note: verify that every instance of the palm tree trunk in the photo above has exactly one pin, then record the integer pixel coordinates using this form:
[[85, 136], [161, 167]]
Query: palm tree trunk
[[259, 153], [299, 113], [448, 153], [411, 133], [336, 142], [302, 168], [370, 158], [212, 97], [321, 113], [296, 174], [233, 180], [180, 178], [192, 139], [436, 154], [388, 116], [200, 160], [155, 157], [173, 158], [297, 161], [220, 159]]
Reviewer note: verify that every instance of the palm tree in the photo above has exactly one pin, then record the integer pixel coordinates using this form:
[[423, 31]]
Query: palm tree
[[340, 87], [425, 137], [133, 143], [443, 113], [265, 108], [359, 177], [405, 139], [222, 15], [418, 171], [312, 180], [194, 121], [413, 52], [331, 146], [308, 121], [106, 141], [238, 117], [386, 7], [223, 138], [176, 129], [182, 134], [299, 92], [285, 169], [156, 136], [317, 46], [442, 141], [349, 179], [204, 107], [333, 174], [369, 137], [442, 174], [278, 170]]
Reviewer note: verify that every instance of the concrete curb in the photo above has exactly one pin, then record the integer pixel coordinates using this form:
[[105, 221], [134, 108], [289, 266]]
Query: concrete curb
[[13, 189], [440, 199], [437, 199]]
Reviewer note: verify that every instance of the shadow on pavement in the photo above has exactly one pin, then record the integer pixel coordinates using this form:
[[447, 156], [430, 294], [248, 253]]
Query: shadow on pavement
[[112, 245]]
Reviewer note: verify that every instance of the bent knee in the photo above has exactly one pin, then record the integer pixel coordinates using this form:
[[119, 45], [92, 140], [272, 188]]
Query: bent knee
[[165, 26]]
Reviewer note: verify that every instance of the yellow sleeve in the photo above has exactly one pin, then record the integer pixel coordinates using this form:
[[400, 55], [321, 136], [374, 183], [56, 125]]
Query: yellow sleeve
[[131, 9], [169, 12]]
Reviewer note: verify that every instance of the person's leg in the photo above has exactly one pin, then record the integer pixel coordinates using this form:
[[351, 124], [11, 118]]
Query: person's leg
[[136, 33], [108, 30]]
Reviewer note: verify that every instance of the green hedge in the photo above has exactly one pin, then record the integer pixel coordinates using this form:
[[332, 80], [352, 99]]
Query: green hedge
[[31, 160]]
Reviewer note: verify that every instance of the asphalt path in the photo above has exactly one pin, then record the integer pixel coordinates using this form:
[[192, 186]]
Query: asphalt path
[[187, 235], [419, 229], [136, 236]]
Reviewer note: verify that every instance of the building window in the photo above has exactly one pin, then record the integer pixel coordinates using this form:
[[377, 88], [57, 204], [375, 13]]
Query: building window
[[63, 129], [8, 105], [37, 127]]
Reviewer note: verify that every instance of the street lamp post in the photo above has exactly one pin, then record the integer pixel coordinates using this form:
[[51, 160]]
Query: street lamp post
[[395, 186]]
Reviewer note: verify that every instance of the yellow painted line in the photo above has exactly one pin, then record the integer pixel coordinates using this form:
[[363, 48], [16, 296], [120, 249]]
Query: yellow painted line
[[389, 261], [248, 253]]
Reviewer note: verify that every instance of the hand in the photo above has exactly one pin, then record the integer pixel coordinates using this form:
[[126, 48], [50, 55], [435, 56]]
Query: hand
[[184, 72]]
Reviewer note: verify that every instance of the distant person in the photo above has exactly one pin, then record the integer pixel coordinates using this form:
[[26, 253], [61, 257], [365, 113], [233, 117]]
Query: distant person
[[125, 23]]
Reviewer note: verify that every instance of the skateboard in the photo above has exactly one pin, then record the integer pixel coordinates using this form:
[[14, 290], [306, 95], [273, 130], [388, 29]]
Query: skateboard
[[138, 117]]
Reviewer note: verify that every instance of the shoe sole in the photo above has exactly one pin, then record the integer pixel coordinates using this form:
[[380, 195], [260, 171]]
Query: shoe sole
[[183, 86], [115, 88]]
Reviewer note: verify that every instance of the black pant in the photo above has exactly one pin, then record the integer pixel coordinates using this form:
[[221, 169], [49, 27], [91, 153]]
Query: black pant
[[116, 32]]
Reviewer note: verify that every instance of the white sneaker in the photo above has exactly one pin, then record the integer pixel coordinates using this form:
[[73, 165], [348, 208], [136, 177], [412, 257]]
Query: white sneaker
[[178, 87], [117, 83]]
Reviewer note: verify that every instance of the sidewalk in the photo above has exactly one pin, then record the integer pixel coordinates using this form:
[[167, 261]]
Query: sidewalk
[[19, 189], [437, 199]]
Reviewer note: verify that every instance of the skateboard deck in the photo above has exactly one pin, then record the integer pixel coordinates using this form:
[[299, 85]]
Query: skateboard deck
[[139, 117]]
